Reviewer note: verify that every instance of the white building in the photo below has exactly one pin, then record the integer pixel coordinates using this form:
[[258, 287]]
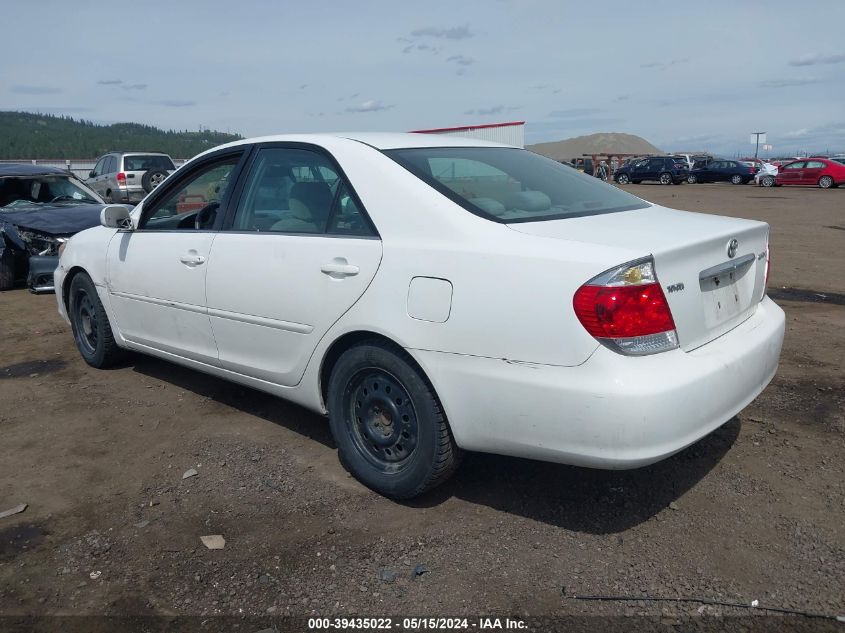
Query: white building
[[511, 133]]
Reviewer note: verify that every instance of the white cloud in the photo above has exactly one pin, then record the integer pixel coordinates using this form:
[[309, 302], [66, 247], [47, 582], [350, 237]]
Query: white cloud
[[816, 59], [450, 33], [371, 105]]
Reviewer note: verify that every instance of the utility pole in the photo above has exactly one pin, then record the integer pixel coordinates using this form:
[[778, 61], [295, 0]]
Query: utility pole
[[757, 135]]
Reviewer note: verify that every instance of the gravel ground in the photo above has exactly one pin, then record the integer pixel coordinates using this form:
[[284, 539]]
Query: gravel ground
[[752, 512]]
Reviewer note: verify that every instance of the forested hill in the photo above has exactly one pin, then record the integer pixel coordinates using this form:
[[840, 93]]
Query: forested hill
[[24, 135]]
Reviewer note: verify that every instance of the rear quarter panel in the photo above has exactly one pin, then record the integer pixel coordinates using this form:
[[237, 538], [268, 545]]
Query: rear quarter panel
[[512, 293]]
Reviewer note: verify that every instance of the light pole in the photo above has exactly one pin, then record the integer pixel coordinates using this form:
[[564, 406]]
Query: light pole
[[757, 136]]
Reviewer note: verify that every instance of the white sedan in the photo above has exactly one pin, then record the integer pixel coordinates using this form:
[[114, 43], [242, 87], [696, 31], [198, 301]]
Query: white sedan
[[432, 295]]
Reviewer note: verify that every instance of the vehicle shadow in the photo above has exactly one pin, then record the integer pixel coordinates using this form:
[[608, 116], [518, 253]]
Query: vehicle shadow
[[583, 499], [251, 401], [577, 499]]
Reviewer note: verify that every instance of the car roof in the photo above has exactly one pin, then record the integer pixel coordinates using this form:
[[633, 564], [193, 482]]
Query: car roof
[[28, 169], [134, 152], [378, 140]]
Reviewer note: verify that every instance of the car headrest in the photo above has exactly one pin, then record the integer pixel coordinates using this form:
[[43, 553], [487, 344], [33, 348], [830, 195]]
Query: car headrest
[[311, 201], [528, 201]]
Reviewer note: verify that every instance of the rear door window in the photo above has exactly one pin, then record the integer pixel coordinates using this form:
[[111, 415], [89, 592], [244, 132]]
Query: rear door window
[[293, 190]]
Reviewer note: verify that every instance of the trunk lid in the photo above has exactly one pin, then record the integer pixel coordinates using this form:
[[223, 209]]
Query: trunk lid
[[709, 291]]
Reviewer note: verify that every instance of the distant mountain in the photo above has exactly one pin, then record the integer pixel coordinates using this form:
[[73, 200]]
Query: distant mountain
[[24, 135], [595, 144]]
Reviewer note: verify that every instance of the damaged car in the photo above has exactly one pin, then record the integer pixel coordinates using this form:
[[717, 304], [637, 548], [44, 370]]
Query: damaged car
[[41, 207]]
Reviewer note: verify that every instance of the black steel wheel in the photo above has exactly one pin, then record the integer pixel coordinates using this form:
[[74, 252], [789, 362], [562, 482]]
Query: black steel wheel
[[387, 422], [384, 421], [90, 324]]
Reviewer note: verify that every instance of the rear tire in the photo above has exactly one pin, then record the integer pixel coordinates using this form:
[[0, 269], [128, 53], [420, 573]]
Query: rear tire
[[90, 324], [692, 179], [7, 269], [736, 179], [665, 179], [825, 182], [390, 430]]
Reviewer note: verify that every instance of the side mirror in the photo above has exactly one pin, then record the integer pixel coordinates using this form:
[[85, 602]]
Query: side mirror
[[116, 216], [92, 174]]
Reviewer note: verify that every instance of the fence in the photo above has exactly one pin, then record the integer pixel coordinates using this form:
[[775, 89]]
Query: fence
[[79, 167]]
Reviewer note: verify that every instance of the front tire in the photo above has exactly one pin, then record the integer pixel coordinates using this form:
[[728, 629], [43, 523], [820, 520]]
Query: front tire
[[91, 328], [623, 179], [390, 430], [7, 269], [767, 181], [692, 179], [825, 182]]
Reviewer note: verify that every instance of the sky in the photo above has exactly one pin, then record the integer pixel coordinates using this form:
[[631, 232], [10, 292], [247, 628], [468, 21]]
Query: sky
[[686, 76]]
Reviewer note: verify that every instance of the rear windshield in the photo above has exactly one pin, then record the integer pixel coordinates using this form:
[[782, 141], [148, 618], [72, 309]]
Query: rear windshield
[[512, 185], [141, 162]]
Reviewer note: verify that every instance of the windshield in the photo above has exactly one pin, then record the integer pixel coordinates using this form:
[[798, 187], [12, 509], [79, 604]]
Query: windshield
[[512, 185], [30, 191]]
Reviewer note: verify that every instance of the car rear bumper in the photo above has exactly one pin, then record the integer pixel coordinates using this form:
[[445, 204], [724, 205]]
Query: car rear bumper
[[612, 411], [129, 195]]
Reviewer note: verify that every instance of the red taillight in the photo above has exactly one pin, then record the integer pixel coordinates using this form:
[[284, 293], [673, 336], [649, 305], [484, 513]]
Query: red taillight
[[623, 311], [121, 178]]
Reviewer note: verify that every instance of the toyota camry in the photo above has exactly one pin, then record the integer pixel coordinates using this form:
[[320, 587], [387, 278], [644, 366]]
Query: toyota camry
[[433, 295]]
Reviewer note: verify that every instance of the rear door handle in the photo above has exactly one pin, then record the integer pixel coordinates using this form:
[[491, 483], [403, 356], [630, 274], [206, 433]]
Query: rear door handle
[[192, 260], [339, 267]]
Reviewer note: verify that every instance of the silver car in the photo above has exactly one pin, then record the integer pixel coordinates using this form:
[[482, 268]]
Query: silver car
[[127, 177]]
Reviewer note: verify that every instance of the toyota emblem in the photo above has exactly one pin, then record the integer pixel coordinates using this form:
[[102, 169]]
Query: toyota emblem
[[733, 245]]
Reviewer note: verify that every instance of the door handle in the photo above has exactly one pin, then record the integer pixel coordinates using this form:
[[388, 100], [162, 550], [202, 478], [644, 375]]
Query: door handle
[[192, 260], [339, 267]]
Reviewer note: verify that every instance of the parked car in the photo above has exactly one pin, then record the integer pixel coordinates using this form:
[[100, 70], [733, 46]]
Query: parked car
[[129, 176], [691, 159], [821, 172], [380, 279], [765, 176], [721, 170], [666, 170], [40, 208], [755, 163]]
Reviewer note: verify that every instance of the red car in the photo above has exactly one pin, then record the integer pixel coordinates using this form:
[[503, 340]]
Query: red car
[[812, 171]]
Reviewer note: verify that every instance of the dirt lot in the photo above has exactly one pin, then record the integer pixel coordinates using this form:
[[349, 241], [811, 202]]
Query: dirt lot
[[754, 511]]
